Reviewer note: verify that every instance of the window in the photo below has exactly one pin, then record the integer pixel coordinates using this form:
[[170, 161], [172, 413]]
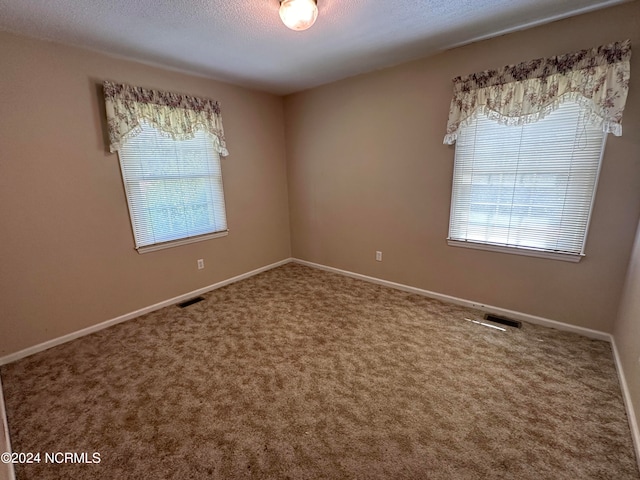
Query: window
[[529, 187], [526, 189], [173, 187], [169, 145]]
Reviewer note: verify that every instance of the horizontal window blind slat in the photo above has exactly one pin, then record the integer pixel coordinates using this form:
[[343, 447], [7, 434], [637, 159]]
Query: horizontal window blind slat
[[173, 187], [530, 186]]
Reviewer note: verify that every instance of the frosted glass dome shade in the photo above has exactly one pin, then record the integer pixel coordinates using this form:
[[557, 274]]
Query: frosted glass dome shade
[[298, 14]]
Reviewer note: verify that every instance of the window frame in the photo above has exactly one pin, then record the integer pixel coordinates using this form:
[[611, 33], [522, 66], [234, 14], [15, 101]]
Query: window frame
[[179, 241], [523, 250]]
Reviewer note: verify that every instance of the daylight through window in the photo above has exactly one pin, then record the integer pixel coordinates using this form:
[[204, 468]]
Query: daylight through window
[[169, 145], [529, 141], [173, 187], [529, 186]]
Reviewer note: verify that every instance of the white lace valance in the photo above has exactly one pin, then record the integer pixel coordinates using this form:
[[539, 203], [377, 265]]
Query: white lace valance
[[597, 78], [178, 116]]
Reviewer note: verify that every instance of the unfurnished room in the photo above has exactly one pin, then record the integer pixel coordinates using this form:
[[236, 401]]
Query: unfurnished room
[[320, 239]]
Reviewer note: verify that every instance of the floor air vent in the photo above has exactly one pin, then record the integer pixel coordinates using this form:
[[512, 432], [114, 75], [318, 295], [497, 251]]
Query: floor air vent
[[191, 301], [503, 320]]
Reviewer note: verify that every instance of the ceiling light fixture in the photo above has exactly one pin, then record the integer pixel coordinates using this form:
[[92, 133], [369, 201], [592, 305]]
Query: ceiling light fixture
[[298, 15]]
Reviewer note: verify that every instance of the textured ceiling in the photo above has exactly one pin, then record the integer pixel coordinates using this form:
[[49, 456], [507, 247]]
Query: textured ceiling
[[244, 42]]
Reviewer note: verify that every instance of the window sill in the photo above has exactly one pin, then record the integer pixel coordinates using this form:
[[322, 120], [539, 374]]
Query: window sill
[[565, 257], [183, 241]]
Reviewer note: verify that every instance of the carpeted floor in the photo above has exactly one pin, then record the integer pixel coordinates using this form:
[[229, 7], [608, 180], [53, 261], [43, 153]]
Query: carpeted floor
[[302, 374]]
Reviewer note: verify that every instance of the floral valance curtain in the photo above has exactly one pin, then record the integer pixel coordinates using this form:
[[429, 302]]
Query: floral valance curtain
[[178, 116], [598, 79]]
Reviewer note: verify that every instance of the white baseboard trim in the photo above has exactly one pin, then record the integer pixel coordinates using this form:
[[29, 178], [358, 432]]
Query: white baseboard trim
[[128, 316], [525, 317], [628, 403], [6, 469]]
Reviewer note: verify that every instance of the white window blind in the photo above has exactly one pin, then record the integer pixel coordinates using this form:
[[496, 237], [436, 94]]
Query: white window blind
[[526, 187], [173, 187]]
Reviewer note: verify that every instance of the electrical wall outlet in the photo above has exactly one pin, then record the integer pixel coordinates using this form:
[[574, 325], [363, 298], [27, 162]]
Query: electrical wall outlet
[[379, 256], [200, 264]]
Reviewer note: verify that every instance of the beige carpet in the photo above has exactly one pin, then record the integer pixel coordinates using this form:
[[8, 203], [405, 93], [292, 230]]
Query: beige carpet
[[301, 374]]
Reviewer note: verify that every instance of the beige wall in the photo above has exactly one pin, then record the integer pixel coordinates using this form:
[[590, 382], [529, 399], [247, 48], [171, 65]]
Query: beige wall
[[368, 171], [66, 248], [627, 328]]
